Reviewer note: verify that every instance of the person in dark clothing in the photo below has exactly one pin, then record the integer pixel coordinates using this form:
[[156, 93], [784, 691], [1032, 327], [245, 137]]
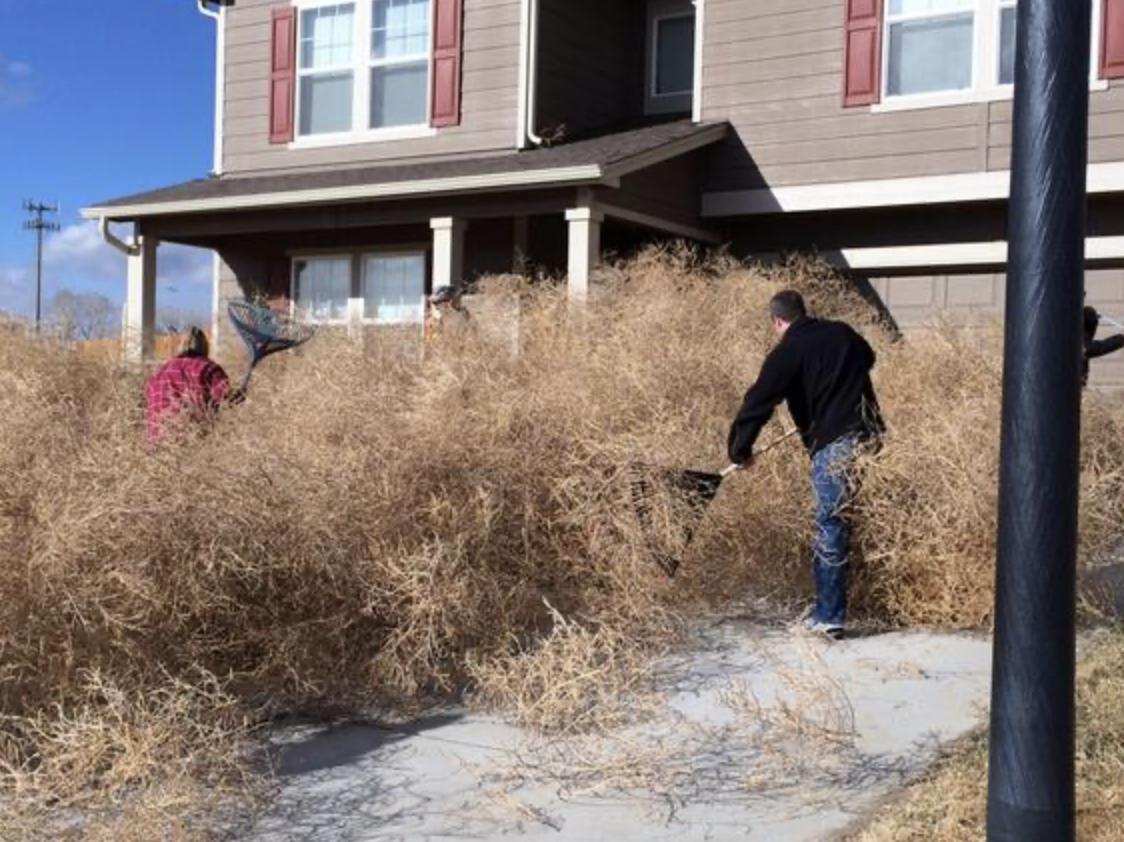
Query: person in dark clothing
[[1094, 347], [821, 370]]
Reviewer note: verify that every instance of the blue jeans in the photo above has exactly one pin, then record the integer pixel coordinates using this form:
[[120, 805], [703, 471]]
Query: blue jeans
[[833, 486]]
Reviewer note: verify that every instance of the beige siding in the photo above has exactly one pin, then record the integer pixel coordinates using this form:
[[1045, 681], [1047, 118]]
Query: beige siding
[[489, 105], [972, 298], [774, 69]]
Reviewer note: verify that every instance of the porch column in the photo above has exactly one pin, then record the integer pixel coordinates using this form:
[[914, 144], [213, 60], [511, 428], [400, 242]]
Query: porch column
[[448, 251], [140, 301], [585, 249]]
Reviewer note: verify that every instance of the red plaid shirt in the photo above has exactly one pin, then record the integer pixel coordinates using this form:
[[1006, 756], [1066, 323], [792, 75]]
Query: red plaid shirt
[[184, 386]]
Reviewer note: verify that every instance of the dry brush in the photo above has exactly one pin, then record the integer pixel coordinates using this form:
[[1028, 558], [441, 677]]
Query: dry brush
[[378, 525]]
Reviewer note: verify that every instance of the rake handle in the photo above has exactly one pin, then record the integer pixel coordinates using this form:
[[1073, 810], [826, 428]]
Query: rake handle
[[734, 466]]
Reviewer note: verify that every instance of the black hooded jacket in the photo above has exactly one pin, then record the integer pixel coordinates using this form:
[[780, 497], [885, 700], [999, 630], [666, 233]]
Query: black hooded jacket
[[822, 370], [1096, 347]]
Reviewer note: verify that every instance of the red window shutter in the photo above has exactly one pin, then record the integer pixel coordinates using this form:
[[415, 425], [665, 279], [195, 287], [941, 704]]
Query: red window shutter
[[1112, 39], [445, 100], [862, 82], [282, 74]]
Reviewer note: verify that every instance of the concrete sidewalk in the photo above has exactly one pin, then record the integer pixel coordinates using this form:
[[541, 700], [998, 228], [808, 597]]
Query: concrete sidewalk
[[755, 735]]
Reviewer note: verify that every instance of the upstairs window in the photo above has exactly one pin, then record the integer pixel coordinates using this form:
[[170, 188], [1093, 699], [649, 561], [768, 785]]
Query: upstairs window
[[399, 63], [671, 56], [362, 68], [930, 45], [327, 80], [937, 52]]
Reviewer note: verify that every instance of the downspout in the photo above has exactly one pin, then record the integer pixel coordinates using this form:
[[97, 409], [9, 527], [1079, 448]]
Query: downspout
[[218, 16], [531, 64], [115, 241]]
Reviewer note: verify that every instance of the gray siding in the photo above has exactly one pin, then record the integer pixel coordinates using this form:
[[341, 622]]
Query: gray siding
[[970, 298], [774, 69], [489, 104]]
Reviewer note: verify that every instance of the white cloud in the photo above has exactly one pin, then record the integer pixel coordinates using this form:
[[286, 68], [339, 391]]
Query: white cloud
[[17, 83], [77, 258]]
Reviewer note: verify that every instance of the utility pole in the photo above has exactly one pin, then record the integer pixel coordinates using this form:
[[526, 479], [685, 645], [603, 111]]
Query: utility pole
[[38, 224], [1031, 794]]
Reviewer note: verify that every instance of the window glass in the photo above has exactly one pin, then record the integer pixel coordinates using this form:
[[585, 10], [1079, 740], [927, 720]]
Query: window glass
[[394, 288], [1007, 18], [928, 55], [326, 36], [675, 55], [399, 28], [322, 288], [928, 7], [399, 94], [326, 103], [326, 80]]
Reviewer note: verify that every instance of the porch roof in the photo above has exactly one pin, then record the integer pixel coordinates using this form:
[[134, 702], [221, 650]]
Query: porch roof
[[598, 160]]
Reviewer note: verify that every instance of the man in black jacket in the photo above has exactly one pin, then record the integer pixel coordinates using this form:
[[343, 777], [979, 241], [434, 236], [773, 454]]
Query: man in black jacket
[[821, 369]]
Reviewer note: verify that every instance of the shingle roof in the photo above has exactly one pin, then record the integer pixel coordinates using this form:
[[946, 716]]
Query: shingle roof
[[586, 160]]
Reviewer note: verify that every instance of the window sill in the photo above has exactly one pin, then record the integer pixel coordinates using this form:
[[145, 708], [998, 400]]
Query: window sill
[[950, 98], [371, 136]]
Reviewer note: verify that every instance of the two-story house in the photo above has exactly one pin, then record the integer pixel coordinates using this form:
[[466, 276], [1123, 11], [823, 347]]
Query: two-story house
[[369, 150]]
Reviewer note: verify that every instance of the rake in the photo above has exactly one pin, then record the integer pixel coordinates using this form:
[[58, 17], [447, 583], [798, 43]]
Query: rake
[[696, 490], [265, 332]]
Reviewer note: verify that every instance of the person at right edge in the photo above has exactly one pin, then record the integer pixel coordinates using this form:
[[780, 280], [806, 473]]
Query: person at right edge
[[821, 369], [1094, 347]]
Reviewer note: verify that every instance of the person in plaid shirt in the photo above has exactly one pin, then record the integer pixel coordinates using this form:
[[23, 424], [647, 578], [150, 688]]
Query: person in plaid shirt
[[187, 390]]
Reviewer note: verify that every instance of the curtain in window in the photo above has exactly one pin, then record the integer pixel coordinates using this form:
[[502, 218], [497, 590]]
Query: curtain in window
[[322, 288], [399, 62], [931, 46], [394, 288]]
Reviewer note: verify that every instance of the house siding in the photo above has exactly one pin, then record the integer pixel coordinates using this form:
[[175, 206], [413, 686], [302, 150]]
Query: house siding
[[489, 107], [774, 69], [966, 299]]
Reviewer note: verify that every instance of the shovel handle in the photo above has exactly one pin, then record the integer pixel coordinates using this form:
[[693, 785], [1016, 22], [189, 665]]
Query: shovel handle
[[729, 469]]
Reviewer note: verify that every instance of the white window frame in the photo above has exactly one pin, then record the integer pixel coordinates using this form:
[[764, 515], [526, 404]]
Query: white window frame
[[372, 63], [361, 64], [419, 250], [322, 255], [670, 102], [355, 255], [303, 73], [985, 60]]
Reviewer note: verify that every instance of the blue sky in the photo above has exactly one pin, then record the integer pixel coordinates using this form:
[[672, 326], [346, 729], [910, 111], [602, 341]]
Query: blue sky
[[97, 100]]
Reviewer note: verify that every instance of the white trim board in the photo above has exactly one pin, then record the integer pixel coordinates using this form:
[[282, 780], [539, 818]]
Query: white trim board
[[987, 253], [608, 175], [890, 192], [357, 192]]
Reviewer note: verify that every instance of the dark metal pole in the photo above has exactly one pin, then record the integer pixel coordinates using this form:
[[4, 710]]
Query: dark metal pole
[[38, 274], [38, 224], [1031, 778]]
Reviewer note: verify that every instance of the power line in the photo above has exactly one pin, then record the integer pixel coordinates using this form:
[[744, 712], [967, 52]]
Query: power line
[[38, 224]]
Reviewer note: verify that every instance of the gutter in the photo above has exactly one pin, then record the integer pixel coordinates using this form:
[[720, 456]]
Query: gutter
[[529, 71], [219, 17], [115, 241], [525, 179]]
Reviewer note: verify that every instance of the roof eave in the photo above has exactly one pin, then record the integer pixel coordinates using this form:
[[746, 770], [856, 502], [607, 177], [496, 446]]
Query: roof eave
[[580, 175]]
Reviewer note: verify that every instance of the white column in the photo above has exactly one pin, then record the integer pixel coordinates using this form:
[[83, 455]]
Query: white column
[[448, 251], [140, 301], [585, 249]]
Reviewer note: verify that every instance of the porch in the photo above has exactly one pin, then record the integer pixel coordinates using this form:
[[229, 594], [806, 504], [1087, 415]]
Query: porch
[[365, 246]]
